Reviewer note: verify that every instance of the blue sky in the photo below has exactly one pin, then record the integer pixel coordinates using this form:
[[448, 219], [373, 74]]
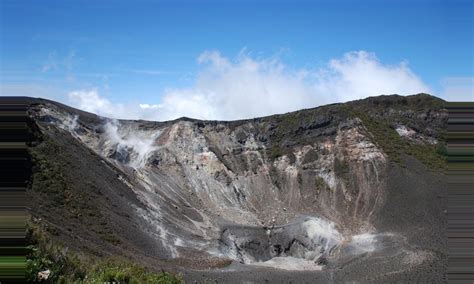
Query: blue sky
[[128, 53]]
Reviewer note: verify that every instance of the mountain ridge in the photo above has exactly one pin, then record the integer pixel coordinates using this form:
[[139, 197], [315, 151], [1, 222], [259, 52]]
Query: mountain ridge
[[393, 98]]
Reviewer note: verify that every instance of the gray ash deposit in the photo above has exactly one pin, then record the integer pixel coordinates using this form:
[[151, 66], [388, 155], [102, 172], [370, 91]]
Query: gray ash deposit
[[344, 192]]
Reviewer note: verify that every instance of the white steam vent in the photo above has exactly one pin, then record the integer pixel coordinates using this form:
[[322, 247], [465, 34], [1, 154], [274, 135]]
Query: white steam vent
[[305, 244], [129, 145], [308, 240]]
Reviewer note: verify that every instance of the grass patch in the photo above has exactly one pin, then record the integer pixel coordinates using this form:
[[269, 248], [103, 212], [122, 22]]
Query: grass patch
[[67, 267], [118, 271]]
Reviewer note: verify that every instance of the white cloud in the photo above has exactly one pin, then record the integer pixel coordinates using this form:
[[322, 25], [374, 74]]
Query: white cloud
[[360, 74], [247, 87], [147, 106], [89, 100]]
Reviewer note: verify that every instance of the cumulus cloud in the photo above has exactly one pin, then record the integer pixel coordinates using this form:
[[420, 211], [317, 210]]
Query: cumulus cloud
[[91, 101], [360, 74], [247, 87]]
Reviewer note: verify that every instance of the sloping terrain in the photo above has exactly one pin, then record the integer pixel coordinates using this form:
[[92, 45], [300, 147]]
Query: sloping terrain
[[342, 192]]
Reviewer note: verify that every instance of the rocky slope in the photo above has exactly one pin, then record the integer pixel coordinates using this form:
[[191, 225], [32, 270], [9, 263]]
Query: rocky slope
[[348, 191]]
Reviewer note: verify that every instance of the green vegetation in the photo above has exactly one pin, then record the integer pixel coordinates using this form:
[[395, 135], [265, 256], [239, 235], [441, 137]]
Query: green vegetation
[[274, 152], [386, 137], [67, 267], [394, 146], [428, 155], [286, 124], [123, 272], [441, 149], [378, 115], [61, 198], [320, 184], [64, 267]]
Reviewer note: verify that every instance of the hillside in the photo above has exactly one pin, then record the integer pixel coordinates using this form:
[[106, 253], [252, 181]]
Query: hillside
[[343, 192]]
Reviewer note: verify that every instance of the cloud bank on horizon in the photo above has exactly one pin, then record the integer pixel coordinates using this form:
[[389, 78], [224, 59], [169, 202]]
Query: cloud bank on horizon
[[247, 87]]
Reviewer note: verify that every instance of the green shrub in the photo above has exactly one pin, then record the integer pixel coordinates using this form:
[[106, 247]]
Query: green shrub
[[275, 152], [66, 267], [441, 149], [121, 271]]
